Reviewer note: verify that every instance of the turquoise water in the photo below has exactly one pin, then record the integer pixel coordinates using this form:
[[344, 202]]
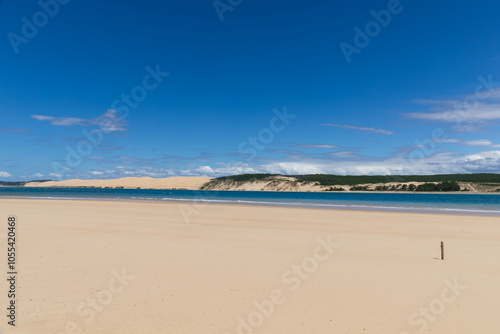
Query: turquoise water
[[421, 202]]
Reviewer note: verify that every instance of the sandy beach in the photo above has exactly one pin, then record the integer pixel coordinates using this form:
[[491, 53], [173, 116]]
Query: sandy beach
[[154, 267]]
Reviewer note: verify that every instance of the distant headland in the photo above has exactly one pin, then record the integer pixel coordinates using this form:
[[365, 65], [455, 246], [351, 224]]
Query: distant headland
[[472, 183]]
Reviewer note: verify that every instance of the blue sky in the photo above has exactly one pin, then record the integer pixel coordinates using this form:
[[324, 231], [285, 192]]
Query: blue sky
[[93, 89]]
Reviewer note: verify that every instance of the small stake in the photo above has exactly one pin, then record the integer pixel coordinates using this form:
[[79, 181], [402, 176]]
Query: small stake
[[442, 250]]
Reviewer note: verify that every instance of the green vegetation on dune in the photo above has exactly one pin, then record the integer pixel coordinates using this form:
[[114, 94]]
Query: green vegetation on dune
[[335, 189], [12, 184], [351, 180], [237, 178], [360, 188], [18, 183], [443, 186]]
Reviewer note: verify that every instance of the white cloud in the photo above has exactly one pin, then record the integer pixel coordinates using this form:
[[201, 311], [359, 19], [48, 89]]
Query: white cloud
[[109, 121], [480, 162], [38, 175], [363, 129], [441, 163], [495, 155], [416, 163], [291, 168], [5, 175], [243, 168], [205, 170]]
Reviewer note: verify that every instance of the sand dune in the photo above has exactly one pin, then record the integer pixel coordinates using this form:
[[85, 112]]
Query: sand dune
[[192, 183], [289, 185]]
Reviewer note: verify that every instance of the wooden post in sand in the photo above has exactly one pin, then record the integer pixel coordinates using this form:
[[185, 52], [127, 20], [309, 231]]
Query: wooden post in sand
[[442, 250]]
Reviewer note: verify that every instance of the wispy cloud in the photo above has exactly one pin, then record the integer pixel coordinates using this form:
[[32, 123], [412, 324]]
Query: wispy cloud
[[344, 154], [283, 151], [363, 129], [109, 121], [451, 111], [13, 130], [316, 146], [477, 142], [61, 121], [468, 114]]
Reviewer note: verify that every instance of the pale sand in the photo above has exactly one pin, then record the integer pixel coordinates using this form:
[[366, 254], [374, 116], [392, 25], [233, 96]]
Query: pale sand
[[295, 186], [200, 277], [178, 182]]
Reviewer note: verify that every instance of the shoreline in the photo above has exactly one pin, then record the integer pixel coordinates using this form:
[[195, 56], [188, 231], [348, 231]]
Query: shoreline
[[332, 207], [274, 191]]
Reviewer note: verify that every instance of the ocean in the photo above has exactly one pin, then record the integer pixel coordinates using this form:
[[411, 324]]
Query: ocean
[[475, 204]]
